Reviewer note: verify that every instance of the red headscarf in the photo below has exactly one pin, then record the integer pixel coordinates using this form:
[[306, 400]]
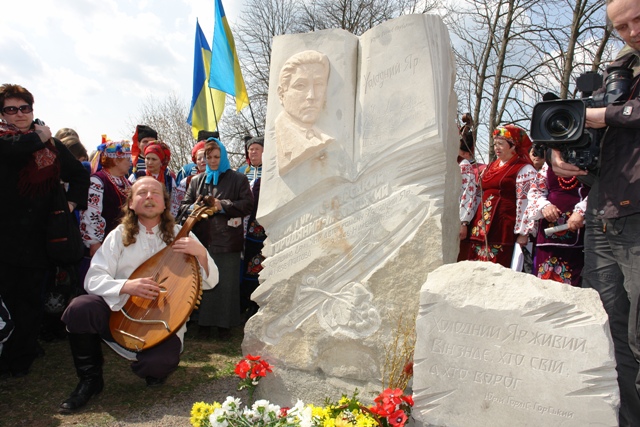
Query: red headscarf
[[161, 150], [194, 152]]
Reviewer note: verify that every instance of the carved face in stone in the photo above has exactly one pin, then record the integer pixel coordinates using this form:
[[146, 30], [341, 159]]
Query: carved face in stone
[[303, 87]]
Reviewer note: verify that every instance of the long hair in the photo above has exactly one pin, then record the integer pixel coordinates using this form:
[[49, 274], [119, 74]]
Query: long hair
[[132, 226]]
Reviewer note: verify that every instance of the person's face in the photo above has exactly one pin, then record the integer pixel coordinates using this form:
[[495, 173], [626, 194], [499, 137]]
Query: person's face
[[144, 142], [213, 159], [537, 161], [625, 18], [21, 120], [304, 99], [147, 199], [121, 167], [201, 160], [502, 149], [255, 154], [153, 163], [463, 155]]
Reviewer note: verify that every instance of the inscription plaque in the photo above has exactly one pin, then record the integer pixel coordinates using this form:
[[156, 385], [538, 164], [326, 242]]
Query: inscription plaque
[[505, 348]]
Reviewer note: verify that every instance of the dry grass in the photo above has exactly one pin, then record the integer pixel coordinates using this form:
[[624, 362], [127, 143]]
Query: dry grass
[[399, 354], [33, 400]]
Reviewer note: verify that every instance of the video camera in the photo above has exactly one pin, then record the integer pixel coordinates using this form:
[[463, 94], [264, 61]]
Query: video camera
[[560, 123]]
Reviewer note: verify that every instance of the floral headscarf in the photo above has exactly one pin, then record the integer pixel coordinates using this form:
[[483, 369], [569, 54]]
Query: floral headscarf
[[515, 136], [112, 149]]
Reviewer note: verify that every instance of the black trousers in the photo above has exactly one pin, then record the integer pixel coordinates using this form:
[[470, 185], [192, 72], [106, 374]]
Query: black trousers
[[612, 267], [89, 314], [22, 290]]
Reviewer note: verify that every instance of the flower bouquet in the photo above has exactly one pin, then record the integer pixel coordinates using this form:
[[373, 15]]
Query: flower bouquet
[[250, 370], [392, 408]]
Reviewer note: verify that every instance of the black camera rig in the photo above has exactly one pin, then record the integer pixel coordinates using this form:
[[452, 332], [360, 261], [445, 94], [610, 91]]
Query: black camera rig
[[560, 123]]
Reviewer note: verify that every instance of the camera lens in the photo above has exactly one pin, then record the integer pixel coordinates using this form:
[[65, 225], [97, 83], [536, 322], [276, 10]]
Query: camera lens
[[560, 124]]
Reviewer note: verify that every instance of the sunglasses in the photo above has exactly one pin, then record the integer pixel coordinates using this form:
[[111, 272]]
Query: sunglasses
[[25, 109]]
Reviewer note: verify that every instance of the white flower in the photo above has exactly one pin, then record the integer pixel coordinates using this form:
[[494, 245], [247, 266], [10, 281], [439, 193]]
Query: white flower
[[250, 414], [260, 404], [218, 418], [306, 417], [231, 404]]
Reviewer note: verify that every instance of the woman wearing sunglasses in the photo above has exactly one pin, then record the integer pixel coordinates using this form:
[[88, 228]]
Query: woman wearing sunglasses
[[502, 196], [32, 164]]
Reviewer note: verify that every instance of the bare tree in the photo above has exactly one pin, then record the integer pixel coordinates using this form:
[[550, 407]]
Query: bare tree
[[509, 52], [357, 16], [581, 46], [168, 117]]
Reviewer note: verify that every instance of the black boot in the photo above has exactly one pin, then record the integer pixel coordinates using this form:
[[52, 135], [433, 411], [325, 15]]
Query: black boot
[[87, 357]]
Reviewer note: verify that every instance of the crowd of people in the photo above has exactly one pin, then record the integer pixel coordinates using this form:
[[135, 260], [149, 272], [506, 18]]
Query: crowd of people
[[512, 201], [581, 235], [128, 205]]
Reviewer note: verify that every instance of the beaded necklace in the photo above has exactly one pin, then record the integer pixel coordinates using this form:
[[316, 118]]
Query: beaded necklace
[[122, 188], [568, 184]]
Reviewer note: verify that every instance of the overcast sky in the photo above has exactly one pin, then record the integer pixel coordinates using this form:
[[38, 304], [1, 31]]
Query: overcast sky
[[90, 64]]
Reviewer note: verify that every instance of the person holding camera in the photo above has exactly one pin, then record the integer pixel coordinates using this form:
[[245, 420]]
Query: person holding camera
[[32, 164], [612, 238]]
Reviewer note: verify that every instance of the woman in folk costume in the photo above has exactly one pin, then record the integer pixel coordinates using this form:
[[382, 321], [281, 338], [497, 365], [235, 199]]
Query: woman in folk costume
[[502, 194], [223, 236], [107, 194], [554, 201], [156, 158]]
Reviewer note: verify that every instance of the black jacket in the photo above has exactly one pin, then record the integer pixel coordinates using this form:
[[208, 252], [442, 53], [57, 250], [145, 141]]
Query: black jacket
[[23, 219], [618, 185]]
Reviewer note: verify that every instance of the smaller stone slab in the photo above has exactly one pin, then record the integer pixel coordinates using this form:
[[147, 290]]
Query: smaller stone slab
[[500, 348]]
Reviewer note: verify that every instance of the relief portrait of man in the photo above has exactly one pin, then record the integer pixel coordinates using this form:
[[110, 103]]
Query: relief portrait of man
[[302, 90]]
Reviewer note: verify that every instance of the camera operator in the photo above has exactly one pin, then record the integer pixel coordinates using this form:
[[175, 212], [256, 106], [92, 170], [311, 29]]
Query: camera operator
[[612, 240]]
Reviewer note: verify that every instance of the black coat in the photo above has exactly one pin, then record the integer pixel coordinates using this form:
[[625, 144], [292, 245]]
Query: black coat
[[22, 219], [234, 194]]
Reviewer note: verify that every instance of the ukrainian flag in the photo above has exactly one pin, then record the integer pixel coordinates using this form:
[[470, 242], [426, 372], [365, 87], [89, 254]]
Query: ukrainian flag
[[225, 72], [207, 105]]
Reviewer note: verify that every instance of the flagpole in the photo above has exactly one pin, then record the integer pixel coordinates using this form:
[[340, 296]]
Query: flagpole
[[254, 120], [213, 104]]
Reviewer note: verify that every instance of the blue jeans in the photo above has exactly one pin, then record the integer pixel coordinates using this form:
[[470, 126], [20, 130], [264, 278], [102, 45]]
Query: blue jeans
[[612, 267]]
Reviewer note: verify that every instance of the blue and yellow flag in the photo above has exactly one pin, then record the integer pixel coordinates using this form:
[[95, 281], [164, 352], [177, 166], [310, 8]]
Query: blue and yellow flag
[[225, 74], [207, 105]]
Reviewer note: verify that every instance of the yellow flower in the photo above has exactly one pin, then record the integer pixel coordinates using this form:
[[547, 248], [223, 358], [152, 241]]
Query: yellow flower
[[200, 414], [342, 422], [365, 420], [329, 422]]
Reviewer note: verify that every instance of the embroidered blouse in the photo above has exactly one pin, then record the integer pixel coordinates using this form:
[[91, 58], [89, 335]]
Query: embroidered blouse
[[468, 201]]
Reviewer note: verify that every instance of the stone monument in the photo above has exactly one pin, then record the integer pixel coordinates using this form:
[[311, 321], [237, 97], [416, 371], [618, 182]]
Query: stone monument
[[359, 200], [500, 348]]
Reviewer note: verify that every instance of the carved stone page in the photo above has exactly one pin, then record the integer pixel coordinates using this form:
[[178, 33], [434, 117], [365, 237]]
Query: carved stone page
[[358, 198]]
